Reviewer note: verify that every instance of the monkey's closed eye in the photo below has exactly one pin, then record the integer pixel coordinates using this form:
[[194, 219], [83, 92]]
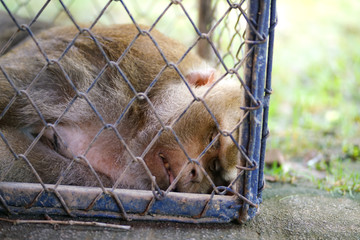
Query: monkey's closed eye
[[55, 143], [165, 161], [212, 137], [51, 142]]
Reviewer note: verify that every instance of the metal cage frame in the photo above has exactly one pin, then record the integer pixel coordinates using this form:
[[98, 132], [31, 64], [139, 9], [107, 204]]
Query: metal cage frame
[[74, 201]]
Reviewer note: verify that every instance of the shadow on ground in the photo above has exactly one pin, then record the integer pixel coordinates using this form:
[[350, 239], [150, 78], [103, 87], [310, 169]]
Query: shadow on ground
[[288, 212]]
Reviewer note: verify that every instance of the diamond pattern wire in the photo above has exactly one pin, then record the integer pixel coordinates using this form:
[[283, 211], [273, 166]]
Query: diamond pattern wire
[[222, 24]]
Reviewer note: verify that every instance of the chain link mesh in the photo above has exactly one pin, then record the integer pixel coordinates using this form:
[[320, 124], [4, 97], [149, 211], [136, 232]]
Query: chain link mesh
[[223, 37]]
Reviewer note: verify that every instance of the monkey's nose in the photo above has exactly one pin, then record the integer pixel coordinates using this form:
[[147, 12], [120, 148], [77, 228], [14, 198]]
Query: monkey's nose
[[195, 174]]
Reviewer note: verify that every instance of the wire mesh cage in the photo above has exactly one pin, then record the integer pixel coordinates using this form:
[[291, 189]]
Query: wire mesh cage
[[101, 115]]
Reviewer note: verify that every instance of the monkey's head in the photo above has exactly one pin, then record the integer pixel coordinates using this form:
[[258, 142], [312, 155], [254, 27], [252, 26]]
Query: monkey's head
[[202, 146]]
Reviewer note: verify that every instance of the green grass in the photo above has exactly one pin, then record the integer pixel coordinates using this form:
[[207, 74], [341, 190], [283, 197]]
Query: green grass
[[339, 178]]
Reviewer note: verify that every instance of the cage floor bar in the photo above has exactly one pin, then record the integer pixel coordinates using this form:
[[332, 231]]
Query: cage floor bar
[[178, 207]]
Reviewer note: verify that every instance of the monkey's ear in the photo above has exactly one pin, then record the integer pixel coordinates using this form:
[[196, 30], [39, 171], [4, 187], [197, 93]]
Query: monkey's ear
[[201, 77]]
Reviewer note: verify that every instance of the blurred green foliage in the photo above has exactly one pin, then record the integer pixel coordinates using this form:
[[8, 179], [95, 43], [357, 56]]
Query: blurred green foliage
[[277, 173], [316, 75], [352, 152], [316, 83]]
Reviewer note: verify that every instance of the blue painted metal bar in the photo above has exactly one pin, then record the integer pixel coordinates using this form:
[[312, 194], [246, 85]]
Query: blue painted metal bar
[[268, 90], [258, 12], [179, 207]]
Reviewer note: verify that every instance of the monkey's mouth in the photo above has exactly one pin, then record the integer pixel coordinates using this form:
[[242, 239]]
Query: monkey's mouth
[[167, 168]]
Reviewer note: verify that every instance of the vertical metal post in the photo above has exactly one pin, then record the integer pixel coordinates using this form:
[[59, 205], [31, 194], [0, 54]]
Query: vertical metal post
[[255, 69], [268, 91]]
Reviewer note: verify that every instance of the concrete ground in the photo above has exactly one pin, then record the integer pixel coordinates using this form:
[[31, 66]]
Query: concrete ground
[[288, 212]]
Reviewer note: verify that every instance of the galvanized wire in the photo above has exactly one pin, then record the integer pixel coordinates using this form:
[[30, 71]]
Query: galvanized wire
[[221, 24]]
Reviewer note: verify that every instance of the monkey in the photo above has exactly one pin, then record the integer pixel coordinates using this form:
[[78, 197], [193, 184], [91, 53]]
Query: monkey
[[117, 106]]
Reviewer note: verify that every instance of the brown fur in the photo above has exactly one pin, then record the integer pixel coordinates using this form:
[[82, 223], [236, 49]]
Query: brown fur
[[52, 91]]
